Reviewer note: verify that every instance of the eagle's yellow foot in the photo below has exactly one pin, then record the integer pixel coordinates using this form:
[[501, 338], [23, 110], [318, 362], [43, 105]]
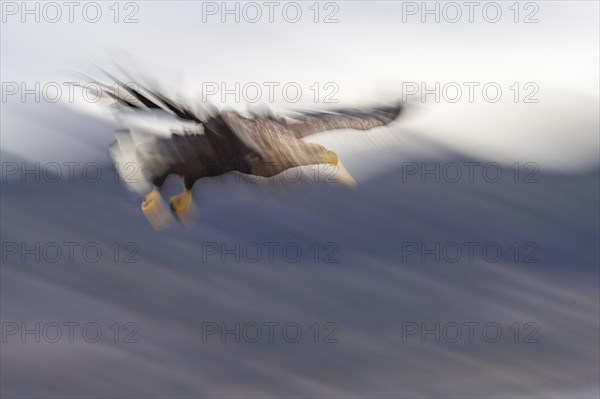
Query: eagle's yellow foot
[[183, 207], [155, 210]]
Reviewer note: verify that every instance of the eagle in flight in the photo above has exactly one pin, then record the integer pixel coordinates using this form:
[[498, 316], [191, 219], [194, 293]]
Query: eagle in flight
[[212, 142]]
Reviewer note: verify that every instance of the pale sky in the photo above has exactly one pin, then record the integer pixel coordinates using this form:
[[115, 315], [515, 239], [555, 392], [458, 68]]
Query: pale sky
[[367, 54]]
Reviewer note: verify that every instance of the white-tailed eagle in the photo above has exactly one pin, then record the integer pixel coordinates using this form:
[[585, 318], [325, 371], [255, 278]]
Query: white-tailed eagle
[[220, 141]]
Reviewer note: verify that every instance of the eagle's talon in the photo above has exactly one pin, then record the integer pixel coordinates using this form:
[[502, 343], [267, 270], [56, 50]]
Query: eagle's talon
[[183, 207], [155, 211]]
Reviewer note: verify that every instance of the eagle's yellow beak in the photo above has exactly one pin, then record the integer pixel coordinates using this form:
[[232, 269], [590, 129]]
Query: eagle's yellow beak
[[344, 176], [341, 173]]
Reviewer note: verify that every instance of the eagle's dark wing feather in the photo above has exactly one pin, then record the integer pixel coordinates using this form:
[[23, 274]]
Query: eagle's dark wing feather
[[307, 123], [256, 134], [219, 133], [152, 100], [277, 149]]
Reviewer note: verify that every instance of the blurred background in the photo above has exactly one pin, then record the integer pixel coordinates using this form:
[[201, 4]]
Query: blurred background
[[377, 267]]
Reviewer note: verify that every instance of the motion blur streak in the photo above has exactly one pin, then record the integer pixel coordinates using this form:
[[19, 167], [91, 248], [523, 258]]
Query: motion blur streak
[[170, 292]]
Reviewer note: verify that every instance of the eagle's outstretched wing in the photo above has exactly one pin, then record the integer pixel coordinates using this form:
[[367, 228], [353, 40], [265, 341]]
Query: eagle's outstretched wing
[[218, 132], [137, 97], [307, 123]]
